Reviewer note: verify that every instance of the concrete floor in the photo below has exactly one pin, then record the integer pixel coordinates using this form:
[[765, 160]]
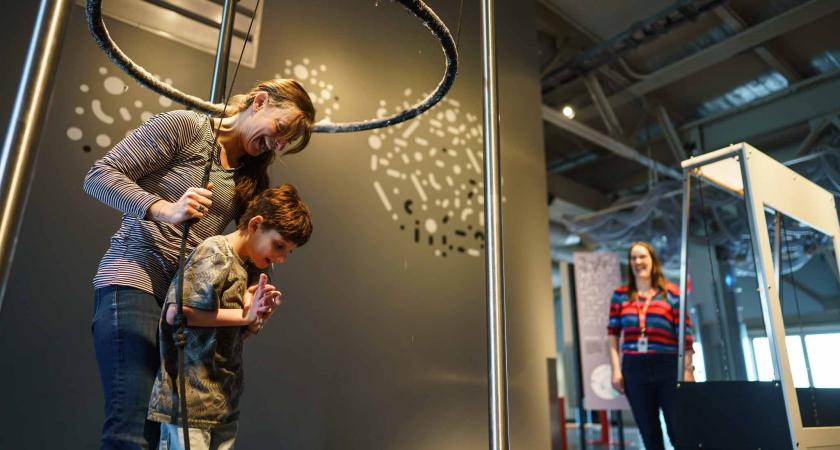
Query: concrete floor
[[632, 439]]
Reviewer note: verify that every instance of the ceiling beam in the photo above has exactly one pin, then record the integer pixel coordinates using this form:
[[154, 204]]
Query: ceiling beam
[[555, 117], [549, 25], [576, 193], [749, 38], [771, 58], [807, 100], [817, 127], [670, 133], [604, 109]]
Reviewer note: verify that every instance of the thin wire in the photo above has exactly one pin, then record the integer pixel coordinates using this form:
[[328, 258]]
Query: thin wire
[[714, 281], [230, 89], [814, 412], [458, 31], [182, 320]]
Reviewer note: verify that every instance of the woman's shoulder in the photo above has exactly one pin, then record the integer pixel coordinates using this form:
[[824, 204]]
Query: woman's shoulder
[[622, 290], [672, 289], [180, 118]]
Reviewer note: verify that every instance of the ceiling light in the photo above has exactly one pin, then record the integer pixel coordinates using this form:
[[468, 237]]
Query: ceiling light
[[569, 112]]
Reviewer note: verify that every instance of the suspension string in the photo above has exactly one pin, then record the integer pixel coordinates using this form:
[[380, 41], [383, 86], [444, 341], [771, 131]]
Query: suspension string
[[783, 243], [215, 129], [718, 312], [458, 31], [181, 320]]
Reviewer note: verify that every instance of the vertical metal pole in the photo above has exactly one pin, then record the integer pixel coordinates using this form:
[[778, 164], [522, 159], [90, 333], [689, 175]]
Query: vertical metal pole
[[217, 88], [581, 413], [496, 341], [686, 210], [777, 251], [620, 419], [22, 136]]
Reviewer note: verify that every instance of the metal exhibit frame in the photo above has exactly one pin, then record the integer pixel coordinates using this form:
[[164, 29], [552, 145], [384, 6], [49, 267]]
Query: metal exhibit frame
[[23, 134], [497, 376], [766, 185]]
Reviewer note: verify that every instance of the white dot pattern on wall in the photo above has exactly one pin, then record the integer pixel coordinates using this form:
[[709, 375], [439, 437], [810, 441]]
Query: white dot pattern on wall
[[417, 181], [109, 98]]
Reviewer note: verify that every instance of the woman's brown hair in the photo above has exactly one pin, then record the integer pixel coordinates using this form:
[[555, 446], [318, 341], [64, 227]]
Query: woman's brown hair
[[252, 176], [657, 278]]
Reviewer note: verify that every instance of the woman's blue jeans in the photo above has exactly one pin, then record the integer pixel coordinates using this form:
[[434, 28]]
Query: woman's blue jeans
[[650, 383], [125, 337]]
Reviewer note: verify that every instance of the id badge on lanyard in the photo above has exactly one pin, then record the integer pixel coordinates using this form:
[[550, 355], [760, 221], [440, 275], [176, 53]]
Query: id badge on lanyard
[[642, 343]]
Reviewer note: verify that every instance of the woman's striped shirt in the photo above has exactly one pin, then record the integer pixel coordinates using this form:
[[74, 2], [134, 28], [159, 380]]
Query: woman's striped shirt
[[661, 321], [159, 160]]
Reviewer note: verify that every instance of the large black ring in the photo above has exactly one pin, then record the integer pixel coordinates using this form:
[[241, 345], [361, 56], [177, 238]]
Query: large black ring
[[417, 7]]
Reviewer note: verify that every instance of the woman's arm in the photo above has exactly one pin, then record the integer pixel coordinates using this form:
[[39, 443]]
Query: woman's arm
[[193, 204], [688, 365], [150, 148], [615, 364]]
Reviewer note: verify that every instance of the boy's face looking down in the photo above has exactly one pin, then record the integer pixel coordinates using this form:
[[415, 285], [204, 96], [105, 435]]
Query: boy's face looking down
[[266, 245]]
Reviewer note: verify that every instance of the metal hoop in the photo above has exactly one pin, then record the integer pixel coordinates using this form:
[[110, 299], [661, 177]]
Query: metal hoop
[[103, 39]]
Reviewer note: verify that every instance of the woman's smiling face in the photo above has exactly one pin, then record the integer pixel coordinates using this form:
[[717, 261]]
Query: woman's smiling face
[[641, 262], [266, 128]]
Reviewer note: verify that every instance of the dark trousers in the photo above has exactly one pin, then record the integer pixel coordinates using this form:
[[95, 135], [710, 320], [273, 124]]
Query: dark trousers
[[650, 383], [125, 330]]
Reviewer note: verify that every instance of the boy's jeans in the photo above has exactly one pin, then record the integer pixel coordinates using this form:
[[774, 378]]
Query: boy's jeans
[[217, 438], [125, 329]]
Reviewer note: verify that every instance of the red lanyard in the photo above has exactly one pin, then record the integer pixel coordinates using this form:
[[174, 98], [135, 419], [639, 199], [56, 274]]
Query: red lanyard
[[643, 312]]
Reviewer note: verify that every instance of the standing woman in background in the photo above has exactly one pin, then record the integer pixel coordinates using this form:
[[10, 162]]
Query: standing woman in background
[[153, 177], [647, 312]]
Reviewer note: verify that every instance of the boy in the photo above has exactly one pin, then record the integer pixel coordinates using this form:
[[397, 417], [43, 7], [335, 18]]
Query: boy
[[275, 223]]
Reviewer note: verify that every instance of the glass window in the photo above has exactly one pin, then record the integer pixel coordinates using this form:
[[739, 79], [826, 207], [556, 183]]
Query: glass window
[[761, 347], [822, 354], [699, 363]]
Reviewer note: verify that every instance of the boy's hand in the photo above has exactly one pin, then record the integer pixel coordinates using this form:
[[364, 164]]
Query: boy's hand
[[253, 306], [255, 326]]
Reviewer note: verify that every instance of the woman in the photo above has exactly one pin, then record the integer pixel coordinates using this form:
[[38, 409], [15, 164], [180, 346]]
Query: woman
[[647, 312], [153, 177]]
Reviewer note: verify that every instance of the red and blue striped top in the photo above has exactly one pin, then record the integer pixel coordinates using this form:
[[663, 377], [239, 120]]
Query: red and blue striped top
[[661, 320]]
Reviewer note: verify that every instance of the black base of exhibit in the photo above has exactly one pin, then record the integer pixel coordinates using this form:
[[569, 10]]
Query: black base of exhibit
[[819, 407], [747, 414], [725, 415]]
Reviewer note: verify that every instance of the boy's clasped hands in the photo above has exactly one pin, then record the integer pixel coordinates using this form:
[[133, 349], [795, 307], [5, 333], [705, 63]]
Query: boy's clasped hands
[[259, 303]]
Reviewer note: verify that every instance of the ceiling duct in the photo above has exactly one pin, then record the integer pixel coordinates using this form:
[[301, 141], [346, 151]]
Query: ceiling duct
[[638, 34], [194, 23]]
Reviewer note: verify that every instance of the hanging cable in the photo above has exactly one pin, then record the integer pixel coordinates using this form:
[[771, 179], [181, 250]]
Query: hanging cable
[[783, 243], [723, 350], [180, 321], [458, 31]]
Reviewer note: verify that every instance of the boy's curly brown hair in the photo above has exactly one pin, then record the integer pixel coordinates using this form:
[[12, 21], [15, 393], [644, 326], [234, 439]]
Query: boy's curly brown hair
[[282, 210]]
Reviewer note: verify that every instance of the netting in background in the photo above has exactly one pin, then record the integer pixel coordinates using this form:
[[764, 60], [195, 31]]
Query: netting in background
[[656, 218]]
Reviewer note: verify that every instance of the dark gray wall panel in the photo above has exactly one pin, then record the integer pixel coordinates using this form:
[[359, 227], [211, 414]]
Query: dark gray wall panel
[[381, 342]]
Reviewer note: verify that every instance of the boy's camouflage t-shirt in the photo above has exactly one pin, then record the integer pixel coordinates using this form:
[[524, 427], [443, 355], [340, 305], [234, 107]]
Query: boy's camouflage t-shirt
[[215, 278]]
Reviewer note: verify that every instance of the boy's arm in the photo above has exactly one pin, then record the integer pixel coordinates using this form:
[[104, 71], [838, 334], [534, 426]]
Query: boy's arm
[[205, 271], [217, 318]]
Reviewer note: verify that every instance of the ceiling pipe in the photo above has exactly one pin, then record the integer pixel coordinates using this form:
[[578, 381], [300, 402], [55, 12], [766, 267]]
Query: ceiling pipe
[[638, 34]]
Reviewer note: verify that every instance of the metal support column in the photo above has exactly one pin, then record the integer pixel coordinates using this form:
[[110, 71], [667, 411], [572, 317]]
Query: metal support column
[[217, 89], [496, 341], [686, 205], [23, 134]]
